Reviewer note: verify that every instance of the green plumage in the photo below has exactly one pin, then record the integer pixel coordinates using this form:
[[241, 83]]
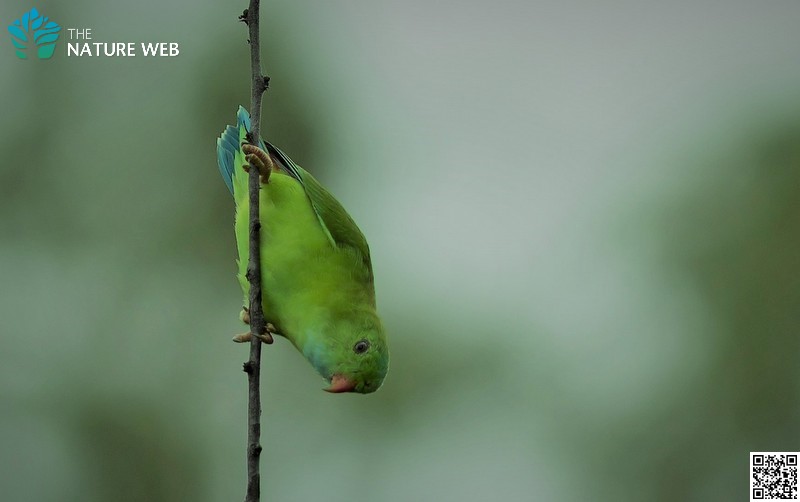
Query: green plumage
[[315, 265]]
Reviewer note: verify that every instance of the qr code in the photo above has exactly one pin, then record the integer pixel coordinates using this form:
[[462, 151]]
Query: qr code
[[773, 475]]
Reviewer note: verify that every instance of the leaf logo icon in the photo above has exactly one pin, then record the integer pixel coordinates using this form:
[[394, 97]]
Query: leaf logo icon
[[34, 28]]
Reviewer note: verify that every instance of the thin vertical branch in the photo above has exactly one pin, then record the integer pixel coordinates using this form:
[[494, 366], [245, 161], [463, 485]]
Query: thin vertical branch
[[257, 323]]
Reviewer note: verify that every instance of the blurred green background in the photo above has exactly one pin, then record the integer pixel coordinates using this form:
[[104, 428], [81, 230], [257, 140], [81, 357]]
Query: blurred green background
[[585, 224]]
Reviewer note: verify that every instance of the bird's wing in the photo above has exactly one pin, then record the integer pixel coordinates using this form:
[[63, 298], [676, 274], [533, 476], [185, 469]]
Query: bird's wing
[[339, 227], [337, 224]]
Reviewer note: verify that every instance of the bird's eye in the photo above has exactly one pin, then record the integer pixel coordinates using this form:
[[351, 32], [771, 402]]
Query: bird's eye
[[361, 346]]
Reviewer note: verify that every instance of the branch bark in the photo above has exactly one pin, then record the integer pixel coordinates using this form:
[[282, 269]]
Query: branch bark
[[258, 325]]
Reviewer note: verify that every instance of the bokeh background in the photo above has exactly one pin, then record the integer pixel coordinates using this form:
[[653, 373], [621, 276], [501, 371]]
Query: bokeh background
[[585, 224]]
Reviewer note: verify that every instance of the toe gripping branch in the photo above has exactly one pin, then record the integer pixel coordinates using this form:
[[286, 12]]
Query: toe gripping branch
[[259, 159], [244, 315]]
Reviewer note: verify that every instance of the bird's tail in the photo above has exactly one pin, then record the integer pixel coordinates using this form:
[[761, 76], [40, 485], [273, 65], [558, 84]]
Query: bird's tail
[[230, 157]]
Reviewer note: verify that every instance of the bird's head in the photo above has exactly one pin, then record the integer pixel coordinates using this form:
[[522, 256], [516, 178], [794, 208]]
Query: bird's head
[[354, 356]]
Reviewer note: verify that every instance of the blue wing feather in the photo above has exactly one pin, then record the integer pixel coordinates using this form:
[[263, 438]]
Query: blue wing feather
[[287, 164]]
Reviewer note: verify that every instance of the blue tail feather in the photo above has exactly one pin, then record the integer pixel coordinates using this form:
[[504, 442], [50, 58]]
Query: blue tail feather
[[243, 118], [228, 145]]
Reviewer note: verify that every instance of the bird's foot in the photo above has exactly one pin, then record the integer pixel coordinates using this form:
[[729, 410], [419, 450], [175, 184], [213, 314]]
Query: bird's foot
[[244, 315], [265, 338], [259, 159]]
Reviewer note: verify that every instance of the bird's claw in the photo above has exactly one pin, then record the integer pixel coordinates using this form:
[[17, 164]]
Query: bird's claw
[[259, 159], [265, 338]]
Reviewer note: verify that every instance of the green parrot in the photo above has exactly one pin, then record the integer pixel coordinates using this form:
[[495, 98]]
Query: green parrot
[[316, 272]]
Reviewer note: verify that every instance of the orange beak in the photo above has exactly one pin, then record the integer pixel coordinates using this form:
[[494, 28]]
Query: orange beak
[[340, 383]]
